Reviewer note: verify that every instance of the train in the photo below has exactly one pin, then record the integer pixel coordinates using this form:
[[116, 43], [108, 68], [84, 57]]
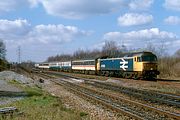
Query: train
[[136, 65]]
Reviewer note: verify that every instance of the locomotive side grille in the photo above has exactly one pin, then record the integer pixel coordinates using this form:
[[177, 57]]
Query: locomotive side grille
[[149, 66]]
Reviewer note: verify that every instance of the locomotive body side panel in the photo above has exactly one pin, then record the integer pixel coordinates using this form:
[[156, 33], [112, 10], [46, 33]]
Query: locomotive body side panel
[[122, 64]]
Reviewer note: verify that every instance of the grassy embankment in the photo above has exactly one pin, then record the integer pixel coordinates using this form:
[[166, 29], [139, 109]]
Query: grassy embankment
[[40, 105]]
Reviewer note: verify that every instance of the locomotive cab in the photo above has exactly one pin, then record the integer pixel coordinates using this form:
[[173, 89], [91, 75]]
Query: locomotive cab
[[145, 64]]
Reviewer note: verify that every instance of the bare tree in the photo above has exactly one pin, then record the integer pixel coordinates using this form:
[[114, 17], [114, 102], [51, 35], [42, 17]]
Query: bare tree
[[150, 47], [110, 49], [2, 50], [86, 54], [80, 54], [94, 54], [63, 57], [159, 50], [177, 53]]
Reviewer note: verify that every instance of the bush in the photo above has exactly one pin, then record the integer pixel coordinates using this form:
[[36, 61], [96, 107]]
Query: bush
[[169, 67]]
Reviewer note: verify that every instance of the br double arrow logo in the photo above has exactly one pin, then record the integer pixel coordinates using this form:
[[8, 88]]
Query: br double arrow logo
[[123, 64]]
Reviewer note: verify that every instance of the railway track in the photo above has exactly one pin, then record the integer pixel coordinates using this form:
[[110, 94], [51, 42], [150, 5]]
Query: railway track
[[119, 104], [167, 80], [146, 95], [150, 96]]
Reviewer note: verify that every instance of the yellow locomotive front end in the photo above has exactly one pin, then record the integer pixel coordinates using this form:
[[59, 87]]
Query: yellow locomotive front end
[[150, 69], [145, 64]]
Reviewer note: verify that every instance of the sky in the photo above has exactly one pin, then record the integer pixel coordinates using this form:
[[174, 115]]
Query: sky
[[44, 28]]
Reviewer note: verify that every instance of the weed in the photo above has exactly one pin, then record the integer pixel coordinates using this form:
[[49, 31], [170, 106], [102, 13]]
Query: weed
[[14, 82], [39, 105], [82, 114]]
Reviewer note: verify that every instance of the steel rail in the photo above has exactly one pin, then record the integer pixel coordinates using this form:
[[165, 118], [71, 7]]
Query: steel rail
[[153, 96], [160, 98], [114, 107], [169, 114]]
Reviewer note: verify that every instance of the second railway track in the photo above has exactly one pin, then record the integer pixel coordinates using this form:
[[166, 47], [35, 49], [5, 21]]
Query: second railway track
[[128, 107], [146, 95]]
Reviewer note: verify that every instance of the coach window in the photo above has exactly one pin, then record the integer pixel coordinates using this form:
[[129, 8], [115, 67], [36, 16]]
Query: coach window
[[135, 59], [92, 62]]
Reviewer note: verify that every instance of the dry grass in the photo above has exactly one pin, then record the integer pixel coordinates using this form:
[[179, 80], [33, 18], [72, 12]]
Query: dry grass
[[169, 67], [40, 105]]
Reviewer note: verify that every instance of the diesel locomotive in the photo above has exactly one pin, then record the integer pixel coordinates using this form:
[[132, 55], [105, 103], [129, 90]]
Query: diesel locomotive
[[137, 65]]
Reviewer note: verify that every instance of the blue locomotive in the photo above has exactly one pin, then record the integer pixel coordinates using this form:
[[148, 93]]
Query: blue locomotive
[[133, 65]]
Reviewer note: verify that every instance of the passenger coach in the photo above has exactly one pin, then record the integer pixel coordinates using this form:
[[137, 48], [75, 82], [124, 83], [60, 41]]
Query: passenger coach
[[84, 66]]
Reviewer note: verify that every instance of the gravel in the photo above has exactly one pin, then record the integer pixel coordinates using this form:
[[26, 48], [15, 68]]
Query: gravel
[[5, 78], [5, 86], [72, 101], [7, 100], [9, 75]]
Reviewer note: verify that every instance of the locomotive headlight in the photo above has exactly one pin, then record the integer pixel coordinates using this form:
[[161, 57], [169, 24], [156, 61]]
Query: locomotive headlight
[[151, 68], [145, 65]]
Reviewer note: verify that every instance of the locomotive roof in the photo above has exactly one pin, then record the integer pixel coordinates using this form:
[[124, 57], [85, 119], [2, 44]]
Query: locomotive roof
[[130, 54], [138, 54]]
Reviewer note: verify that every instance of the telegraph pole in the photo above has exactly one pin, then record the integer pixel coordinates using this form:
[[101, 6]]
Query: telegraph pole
[[19, 54]]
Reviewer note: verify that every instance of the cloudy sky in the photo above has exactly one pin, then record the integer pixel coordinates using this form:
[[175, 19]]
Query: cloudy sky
[[45, 28]]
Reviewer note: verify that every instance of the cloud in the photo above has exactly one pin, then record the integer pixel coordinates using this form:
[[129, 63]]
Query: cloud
[[138, 39], [21, 32], [77, 9], [15, 27], [10, 5], [172, 20], [131, 19], [40, 41], [13, 32], [34, 3], [172, 4], [55, 33], [7, 5], [140, 4]]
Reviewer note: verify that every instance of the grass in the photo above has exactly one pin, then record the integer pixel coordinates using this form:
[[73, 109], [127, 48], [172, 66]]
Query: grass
[[83, 114], [164, 88], [40, 105], [15, 82]]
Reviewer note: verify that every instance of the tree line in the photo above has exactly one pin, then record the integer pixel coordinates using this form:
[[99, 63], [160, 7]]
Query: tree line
[[169, 66], [3, 62], [2, 50], [110, 49]]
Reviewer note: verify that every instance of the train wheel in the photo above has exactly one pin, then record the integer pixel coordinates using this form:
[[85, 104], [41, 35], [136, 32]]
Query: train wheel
[[136, 77], [86, 72], [127, 75], [107, 74], [111, 74]]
